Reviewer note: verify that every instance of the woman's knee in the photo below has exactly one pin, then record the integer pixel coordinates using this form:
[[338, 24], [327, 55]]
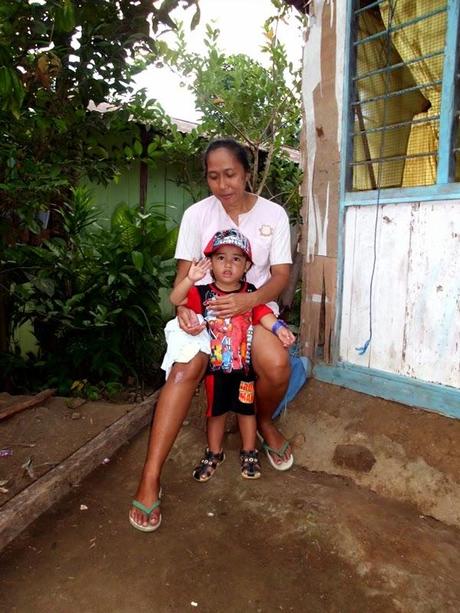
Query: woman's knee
[[190, 372], [273, 365], [276, 374]]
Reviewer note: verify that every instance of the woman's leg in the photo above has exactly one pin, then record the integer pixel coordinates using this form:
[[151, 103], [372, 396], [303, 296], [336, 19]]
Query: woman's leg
[[172, 407], [271, 363]]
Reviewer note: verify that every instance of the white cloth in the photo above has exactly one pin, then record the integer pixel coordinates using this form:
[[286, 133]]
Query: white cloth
[[182, 347], [266, 226]]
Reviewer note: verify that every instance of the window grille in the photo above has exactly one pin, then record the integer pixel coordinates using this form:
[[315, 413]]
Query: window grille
[[397, 68]]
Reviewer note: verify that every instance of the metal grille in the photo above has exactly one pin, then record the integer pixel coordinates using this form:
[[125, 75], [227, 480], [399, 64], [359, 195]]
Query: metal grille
[[398, 54]]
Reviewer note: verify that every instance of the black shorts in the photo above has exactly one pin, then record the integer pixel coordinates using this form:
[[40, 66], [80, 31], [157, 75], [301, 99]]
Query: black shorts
[[232, 391]]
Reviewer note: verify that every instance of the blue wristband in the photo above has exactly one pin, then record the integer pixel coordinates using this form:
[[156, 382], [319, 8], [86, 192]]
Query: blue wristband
[[279, 323]]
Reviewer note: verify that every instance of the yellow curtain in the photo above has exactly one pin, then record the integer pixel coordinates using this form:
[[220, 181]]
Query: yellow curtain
[[419, 39], [391, 111]]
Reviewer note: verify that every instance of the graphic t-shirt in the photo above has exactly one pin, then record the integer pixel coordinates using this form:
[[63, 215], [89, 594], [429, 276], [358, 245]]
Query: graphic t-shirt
[[231, 337]]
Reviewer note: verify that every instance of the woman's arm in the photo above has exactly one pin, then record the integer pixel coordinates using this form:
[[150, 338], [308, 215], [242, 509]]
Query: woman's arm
[[182, 269], [272, 289]]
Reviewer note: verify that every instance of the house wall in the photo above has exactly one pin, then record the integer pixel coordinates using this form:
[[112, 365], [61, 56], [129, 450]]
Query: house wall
[[415, 294], [414, 352], [169, 198], [322, 106]]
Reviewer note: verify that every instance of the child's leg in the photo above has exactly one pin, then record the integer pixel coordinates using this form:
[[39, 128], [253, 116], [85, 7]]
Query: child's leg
[[249, 456], [215, 431], [213, 455], [248, 427]]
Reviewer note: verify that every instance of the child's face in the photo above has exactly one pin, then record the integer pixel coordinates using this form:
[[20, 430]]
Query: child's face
[[229, 264]]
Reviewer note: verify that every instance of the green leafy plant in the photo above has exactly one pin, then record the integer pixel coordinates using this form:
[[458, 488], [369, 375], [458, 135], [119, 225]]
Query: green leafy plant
[[92, 295], [59, 61]]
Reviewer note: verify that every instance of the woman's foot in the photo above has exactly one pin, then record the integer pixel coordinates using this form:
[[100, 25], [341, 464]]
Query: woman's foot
[[208, 465], [145, 514], [277, 448], [250, 467]]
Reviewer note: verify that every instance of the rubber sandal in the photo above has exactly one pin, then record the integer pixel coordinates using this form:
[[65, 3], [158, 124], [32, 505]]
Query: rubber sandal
[[286, 464], [208, 465], [250, 467], [148, 512]]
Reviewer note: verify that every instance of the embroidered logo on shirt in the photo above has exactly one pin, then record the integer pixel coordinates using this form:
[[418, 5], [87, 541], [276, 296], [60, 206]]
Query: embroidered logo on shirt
[[265, 230]]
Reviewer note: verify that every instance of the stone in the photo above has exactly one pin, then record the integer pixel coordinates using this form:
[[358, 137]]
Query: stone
[[354, 457]]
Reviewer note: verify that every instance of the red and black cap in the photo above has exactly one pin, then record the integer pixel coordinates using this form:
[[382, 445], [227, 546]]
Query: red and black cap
[[229, 237]]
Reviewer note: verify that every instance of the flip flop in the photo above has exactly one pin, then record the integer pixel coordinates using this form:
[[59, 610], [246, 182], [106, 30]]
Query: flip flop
[[286, 465], [148, 512]]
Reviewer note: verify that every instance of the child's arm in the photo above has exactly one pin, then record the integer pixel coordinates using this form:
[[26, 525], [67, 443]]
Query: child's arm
[[196, 272], [278, 327]]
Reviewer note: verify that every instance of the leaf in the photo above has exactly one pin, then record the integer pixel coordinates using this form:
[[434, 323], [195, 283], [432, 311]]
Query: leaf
[[44, 285], [138, 260], [137, 147], [65, 16], [167, 245], [152, 148], [196, 18]]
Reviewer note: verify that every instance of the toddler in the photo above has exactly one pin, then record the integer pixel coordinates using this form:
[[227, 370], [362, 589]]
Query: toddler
[[230, 379]]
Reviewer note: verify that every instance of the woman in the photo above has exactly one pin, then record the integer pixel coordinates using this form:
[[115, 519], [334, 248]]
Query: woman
[[266, 225]]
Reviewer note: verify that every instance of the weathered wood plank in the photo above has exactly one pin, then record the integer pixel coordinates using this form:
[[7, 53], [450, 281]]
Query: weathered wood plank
[[432, 347], [390, 287], [347, 292], [416, 292], [359, 246], [27, 404], [25, 507]]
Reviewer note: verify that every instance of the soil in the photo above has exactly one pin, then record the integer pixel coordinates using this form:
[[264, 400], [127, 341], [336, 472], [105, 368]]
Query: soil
[[40, 438], [298, 541]]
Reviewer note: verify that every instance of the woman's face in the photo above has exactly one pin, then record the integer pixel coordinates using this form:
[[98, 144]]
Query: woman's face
[[226, 177]]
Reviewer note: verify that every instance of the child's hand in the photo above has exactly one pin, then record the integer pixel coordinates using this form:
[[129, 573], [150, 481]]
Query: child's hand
[[286, 337], [199, 269]]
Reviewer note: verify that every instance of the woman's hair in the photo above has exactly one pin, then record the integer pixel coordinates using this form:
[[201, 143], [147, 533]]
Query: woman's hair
[[231, 145]]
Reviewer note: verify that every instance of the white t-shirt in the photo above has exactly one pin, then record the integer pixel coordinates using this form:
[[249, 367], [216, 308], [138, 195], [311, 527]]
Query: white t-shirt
[[266, 226]]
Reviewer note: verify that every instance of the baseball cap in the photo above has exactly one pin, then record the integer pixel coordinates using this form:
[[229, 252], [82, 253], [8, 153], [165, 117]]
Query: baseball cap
[[229, 237]]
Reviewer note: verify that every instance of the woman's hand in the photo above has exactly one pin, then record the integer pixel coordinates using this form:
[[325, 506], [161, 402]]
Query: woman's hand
[[188, 321], [229, 305]]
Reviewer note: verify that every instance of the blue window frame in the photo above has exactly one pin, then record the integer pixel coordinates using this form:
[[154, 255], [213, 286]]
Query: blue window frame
[[402, 85]]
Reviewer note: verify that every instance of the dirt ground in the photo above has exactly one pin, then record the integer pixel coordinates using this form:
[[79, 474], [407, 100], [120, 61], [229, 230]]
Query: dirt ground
[[299, 541], [39, 438]]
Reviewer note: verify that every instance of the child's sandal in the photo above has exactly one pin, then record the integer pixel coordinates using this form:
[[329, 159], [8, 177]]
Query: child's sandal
[[208, 465], [250, 466]]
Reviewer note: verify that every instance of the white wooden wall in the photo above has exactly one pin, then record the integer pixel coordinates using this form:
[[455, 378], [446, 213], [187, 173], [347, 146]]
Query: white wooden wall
[[416, 290]]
